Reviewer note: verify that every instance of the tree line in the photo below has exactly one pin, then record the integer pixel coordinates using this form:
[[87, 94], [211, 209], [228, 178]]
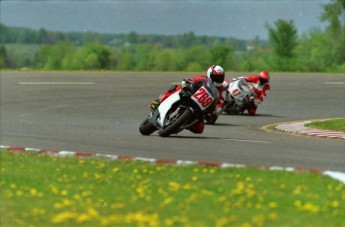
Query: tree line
[[316, 51]]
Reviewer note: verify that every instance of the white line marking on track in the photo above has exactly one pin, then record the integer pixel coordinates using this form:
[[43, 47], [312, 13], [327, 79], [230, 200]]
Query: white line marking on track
[[56, 83], [334, 83], [250, 141]]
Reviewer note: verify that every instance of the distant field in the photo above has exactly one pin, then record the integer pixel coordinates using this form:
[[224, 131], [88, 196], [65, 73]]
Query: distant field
[[47, 191], [24, 50]]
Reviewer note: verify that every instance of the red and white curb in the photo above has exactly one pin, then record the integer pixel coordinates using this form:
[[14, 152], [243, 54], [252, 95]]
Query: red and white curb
[[340, 176], [299, 128]]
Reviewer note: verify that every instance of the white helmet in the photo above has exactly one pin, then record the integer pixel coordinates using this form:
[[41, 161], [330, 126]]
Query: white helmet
[[216, 74]]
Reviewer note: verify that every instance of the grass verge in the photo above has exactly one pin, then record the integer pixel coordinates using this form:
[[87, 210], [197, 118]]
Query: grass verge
[[336, 124], [40, 190]]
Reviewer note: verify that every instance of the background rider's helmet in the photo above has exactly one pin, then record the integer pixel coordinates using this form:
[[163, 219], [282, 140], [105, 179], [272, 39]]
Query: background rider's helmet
[[264, 77], [216, 74]]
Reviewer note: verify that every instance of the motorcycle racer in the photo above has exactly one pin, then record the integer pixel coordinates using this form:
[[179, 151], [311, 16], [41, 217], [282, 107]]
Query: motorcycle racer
[[215, 74], [261, 87]]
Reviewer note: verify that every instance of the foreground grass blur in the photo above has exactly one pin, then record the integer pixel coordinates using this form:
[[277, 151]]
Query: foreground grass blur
[[335, 124], [39, 190]]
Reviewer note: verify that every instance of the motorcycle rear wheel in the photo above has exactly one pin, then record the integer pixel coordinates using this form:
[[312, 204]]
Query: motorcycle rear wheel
[[174, 126], [146, 128]]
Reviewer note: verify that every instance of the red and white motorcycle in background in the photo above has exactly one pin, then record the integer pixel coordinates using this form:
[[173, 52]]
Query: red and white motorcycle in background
[[240, 95], [181, 110]]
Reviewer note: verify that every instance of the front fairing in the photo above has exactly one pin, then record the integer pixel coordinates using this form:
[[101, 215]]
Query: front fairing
[[165, 106]]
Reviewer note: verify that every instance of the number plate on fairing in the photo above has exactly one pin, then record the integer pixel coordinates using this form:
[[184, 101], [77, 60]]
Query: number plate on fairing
[[203, 98]]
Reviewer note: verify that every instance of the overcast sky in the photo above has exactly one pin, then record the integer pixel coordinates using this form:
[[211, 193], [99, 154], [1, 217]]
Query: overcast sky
[[242, 19]]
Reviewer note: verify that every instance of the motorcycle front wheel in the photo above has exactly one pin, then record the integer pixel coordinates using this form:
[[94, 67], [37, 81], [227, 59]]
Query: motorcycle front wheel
[[174, 126], [146, 128]]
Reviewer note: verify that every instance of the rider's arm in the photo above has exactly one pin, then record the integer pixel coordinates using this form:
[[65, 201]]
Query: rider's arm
[[186, 82]]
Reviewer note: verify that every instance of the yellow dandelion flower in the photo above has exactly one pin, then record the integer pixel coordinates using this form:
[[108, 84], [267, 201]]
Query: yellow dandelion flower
[[58, 205], [223, 221], [81, 218], [64, 192], [76, 197], [187, 187], [297, 203], [174, 186], [66, 202], [92, 212], [33, 192], [310, 207], [168, 200], [19, 193], [239, 188], [86, 193], [64, 216], [54, 189], [161, 191], [335, 204], [97, 176], [112, 219], [116, 169], [272, 205], [169, 222], [222, 198], [194, 178], [250, 193]]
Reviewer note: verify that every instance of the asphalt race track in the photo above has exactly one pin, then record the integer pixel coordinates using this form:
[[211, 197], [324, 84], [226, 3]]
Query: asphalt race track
[[101, 111]]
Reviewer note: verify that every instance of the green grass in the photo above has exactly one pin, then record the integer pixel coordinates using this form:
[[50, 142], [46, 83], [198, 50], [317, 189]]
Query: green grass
[[39, 190], [336, 124]]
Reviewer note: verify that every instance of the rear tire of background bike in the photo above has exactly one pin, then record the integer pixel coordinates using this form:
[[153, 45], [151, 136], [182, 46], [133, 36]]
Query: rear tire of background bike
[[146, 128], [172, 128]]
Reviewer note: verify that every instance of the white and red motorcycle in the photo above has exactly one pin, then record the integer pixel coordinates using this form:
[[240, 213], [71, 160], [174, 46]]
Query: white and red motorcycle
[[240, 95], [181, 110]]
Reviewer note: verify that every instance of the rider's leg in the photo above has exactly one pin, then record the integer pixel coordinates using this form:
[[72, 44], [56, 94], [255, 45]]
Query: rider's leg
[[155, 103], [252, 108]]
